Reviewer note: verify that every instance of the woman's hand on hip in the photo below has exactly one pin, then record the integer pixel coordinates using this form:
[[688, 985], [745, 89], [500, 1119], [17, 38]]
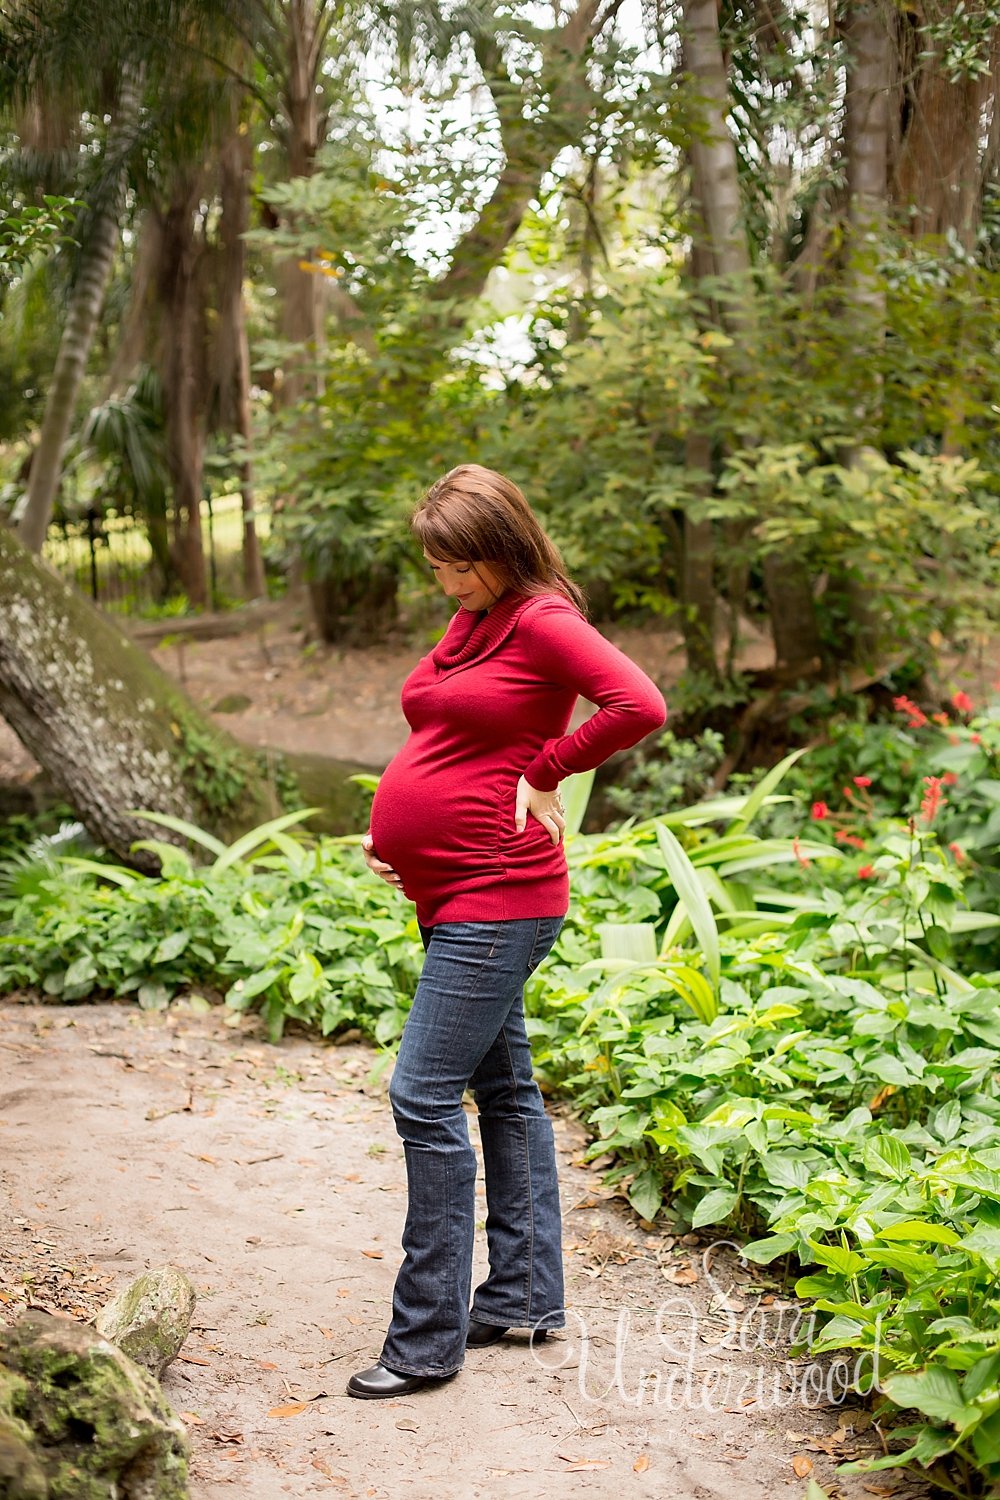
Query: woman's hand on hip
[[545, 806], [379, 866]]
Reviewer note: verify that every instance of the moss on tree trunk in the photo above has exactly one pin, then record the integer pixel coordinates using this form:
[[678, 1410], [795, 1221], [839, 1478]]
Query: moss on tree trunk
[[113, 732]]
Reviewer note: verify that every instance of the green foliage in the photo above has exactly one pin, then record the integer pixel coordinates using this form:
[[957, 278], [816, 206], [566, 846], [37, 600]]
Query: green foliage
[[301, 931], [778, 1036]]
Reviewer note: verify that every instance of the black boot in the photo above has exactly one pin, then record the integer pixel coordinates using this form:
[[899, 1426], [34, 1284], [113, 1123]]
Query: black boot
[[482, 1334], [380, 1384]]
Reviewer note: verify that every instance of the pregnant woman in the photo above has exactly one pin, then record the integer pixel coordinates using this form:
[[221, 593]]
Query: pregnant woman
[[467, 822]]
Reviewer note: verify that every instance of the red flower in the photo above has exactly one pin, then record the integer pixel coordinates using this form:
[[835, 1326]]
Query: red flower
[[867, 872], [949, 778], [976, 739], [862, 781], [819, 811], [941, 719], [848, 793], [842, 837], [904, 705], [958, 852], [933, 799], [962, 702]]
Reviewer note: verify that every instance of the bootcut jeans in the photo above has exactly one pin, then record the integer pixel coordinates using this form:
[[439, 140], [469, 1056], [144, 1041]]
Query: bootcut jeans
[[466, 1030]]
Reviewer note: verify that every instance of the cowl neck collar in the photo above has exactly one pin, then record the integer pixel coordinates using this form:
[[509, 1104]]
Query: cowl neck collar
[[472, 636]]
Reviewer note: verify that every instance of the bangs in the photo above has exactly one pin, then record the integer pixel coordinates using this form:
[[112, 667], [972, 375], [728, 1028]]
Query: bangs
[[447, 533]]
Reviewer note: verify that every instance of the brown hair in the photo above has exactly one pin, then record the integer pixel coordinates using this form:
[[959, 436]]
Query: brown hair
[[477, 515]]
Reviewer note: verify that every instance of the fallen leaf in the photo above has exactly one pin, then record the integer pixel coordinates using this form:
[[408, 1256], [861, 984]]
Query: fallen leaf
[[192, 1359], [407, 1424], [879, 1489], [641, 1464], [680, 1276], [731, 1302], [802, 1465], [311, 1395], [226, 1437], [210, 1159], [265, 1364], [798, 1437], [345, 1291], [372, 1254], [588, 1463], [352, 1176], [293, 1409], [326, 1332], [355, 1321], [192, 1419], [499, 1473]]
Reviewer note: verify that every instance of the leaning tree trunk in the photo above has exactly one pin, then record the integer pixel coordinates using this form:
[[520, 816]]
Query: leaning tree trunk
[[78, 333], [113, 732]]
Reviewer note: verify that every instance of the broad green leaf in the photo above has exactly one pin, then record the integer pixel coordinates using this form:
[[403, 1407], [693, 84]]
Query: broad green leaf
[[690, 891], [575, 792], [888, 1157], [919, 1229], [646, 1193], [258, 836], [716, 1205], [934, 1391], [844, 1262], [763, 790], [153, 996], [172, 946], [634, 941], [175, 863], [365, 780], [240, 994], [762, 1252], [116, 874], [189, 830], [81, 970]]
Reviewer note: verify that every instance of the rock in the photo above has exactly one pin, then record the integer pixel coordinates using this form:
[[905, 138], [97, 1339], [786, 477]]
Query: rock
[[95, 1425], [150, 1318], [232, 703], [21, 1476]]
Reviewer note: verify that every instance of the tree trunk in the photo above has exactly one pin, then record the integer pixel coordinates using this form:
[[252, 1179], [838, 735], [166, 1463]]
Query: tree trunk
[[112, 730], [866, 137], [305, 24], [233, 361], [797, 646], [530, 143], [937, 179], [697, 581], [78, 333], [183, 362], [712, 151], [134, 345]]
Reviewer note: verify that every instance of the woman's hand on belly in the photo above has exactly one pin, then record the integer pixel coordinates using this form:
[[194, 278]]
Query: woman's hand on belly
[[379, 866], [546, 807]]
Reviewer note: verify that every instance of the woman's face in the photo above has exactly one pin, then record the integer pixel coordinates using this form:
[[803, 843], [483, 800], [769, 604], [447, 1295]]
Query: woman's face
[[475, 586]]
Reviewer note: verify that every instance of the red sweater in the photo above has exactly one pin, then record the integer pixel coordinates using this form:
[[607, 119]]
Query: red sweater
[[490, 703]]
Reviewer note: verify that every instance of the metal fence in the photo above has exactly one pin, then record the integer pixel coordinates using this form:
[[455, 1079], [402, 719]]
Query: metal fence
[[109, 557]]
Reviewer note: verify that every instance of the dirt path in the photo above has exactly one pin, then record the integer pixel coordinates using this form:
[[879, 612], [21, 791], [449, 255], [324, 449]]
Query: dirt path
[[273, 1175]]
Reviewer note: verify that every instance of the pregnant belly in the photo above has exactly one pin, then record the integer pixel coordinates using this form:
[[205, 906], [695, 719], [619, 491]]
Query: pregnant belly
[[425, 822]]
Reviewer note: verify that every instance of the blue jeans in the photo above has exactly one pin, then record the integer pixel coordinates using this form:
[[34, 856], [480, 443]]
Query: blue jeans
[[466, 1030]]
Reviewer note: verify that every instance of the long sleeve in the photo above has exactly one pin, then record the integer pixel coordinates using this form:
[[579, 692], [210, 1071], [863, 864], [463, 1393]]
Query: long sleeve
[[566, 650]]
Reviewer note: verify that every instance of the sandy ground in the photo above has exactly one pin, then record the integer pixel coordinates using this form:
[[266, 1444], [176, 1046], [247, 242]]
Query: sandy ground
[[273, 1176]]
